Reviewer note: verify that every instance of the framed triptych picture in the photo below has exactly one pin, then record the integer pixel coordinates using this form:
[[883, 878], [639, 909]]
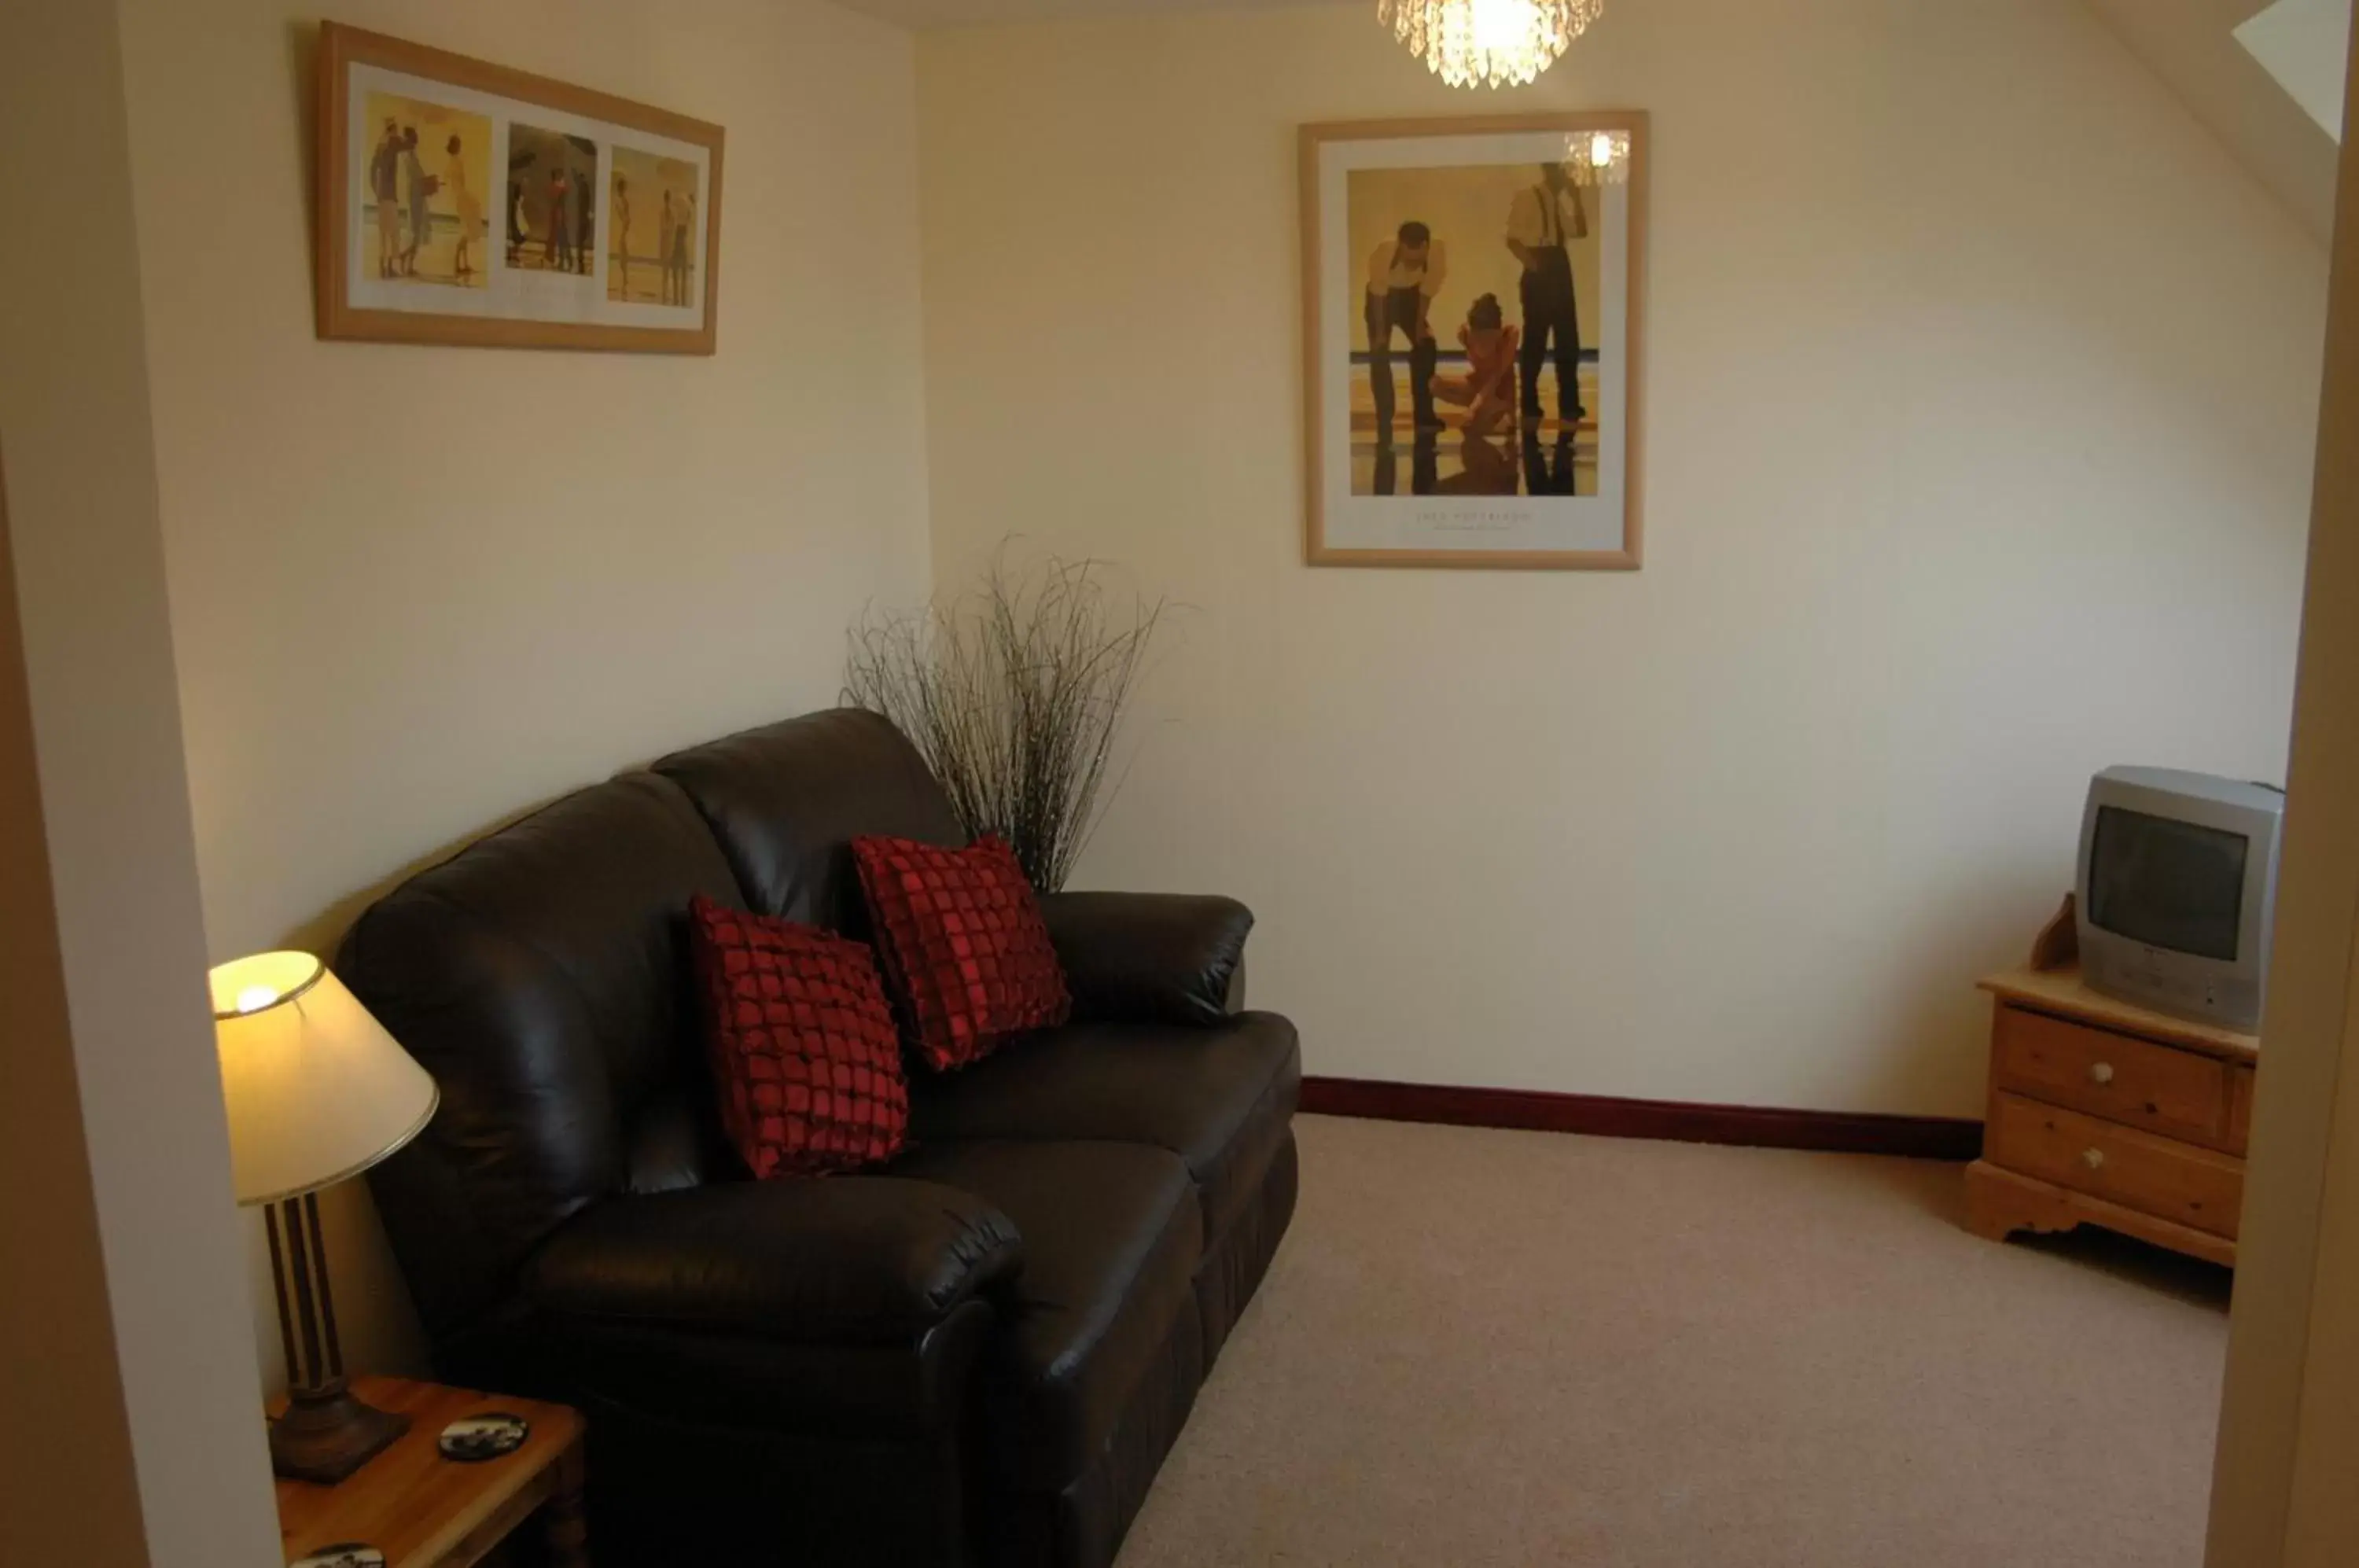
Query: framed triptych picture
[[1472, 309], [463, 203]]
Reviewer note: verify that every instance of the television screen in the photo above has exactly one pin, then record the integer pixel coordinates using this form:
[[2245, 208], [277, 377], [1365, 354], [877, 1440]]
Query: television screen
[[2167, 883]]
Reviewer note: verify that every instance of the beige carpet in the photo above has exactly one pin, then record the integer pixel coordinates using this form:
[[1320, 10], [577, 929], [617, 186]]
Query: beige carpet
[[1484, 1347]]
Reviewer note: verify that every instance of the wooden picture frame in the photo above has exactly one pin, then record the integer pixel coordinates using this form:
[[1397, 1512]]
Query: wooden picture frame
[[530, 231], [1485, 486]]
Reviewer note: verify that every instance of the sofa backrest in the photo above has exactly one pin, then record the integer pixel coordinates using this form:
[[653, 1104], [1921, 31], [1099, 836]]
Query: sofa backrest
[[786, 801], [540, 974]]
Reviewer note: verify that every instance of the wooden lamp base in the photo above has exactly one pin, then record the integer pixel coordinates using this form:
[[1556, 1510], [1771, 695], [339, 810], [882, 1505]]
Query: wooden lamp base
[[327, 1434]]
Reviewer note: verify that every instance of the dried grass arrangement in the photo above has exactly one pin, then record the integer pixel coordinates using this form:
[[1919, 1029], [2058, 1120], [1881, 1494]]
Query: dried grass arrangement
[[1013, 693]]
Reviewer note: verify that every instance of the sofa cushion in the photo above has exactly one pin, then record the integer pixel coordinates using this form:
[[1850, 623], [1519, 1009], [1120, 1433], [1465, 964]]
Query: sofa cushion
[[861, 1259], [961, 938], [1218, 1098], [786, 801], [1111, 1242], [540, 974], [803, 1047]]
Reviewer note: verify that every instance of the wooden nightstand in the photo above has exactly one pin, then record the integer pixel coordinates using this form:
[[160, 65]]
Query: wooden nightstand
[[2105, 1112], [424, 1511]]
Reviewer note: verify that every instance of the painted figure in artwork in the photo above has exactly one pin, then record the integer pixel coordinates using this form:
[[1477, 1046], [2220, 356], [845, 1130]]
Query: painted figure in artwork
[[681, 220], [428, 180], [618, 225], [1487, 391], [1484, 468], [1540, 220], [470, 205], [421, 199], [663, 243], [1550, 470], [1403, 274], [557, 239], [553, 217], [650, 235], [585, 223], [385, 185]]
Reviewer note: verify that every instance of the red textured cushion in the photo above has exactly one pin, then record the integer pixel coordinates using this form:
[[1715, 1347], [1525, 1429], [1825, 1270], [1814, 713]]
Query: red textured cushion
[[803, 1044], [959, 936]]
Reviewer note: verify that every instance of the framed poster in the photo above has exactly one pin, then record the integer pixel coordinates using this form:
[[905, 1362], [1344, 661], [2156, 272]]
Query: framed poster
[[462, 202], [1470, 294]]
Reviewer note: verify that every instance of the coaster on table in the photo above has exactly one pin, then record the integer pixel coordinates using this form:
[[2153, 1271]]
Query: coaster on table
[[343, 1555], [486, 1436]]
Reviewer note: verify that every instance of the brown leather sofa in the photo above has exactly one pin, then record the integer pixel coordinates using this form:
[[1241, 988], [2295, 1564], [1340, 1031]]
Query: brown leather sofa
[[979, 1355]]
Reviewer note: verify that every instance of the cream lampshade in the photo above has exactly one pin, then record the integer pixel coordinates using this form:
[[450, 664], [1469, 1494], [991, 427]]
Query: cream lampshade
[[317, 1093]]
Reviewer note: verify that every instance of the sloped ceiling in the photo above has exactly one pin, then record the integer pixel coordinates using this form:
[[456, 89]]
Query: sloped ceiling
[[2191, 45], [2305, 44]]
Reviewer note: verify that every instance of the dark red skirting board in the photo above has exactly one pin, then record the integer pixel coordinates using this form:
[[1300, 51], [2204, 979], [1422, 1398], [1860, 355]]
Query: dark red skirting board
[[1845, 1132]]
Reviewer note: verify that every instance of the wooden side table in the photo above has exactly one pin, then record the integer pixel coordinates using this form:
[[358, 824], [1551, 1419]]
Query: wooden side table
[[424, 1511]]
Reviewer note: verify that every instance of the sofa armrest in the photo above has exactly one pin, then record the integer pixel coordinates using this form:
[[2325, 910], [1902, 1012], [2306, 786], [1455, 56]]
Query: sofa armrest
[[838, 1258], [1150, 957]]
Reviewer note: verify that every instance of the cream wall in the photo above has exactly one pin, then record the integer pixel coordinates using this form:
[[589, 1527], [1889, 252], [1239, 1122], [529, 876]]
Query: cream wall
[[415, 591], [1981, 393]]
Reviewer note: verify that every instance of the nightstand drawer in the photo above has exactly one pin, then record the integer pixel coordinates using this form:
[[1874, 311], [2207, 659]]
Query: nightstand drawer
[[2172, 1181], [2135, 1082]]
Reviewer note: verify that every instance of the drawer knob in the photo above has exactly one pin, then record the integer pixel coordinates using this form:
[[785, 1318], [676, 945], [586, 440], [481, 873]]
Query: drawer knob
[[2094, 1158], [2101, 1072]]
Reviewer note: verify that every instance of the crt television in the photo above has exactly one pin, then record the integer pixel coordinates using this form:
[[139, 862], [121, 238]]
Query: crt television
[[2177, 876]]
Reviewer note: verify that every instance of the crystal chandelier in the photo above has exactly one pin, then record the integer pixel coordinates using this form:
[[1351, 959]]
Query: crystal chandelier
[[1490, 42]]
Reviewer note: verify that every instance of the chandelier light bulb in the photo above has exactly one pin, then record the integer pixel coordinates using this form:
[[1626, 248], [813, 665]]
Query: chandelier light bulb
[[1597, 158], [1488, 43]]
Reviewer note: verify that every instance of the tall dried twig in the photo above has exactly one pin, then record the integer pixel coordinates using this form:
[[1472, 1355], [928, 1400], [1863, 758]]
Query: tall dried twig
[[1012, 693]]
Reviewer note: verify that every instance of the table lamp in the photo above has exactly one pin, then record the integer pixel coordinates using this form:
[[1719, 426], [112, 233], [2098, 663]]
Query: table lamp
[[317, 1093]]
